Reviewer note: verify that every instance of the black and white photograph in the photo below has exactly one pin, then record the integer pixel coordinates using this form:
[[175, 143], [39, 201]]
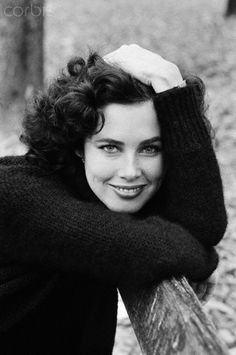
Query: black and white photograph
[[117, 177]]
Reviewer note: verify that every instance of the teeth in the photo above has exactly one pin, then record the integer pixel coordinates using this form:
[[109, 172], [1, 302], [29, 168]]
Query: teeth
[[128, 190]]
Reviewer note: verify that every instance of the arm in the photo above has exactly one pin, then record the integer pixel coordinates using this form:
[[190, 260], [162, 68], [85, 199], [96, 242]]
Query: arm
[[192, 193], [43, 224]]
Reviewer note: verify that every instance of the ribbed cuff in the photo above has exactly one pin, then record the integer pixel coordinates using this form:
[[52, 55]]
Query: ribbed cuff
[[181, 120]]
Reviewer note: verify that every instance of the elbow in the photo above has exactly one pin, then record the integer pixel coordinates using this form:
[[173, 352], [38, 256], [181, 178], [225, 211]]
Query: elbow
[[215, 230], [220, 230]]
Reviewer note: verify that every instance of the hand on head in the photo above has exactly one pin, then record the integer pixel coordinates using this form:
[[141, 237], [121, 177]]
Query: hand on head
[[146, 66]]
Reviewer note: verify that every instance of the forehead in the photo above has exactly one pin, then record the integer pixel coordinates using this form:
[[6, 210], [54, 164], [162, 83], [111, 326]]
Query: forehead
[[138, 120]]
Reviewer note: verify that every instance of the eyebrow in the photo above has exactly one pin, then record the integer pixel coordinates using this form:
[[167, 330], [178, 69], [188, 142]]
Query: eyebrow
[[114, 141]]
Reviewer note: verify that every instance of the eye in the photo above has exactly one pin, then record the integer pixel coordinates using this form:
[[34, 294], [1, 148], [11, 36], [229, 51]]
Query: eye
[[151, 149], [109, 148]]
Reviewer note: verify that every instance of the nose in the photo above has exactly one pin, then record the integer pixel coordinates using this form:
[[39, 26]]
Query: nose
[[129, 168]]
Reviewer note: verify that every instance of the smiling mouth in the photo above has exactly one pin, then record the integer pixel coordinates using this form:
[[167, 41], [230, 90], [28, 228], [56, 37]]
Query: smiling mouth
[[128, 191]]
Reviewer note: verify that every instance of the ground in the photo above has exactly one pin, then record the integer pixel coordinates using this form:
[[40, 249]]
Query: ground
[[195, 35]]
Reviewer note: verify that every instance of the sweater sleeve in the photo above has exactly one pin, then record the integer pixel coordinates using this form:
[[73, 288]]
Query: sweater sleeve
[[192, 193], [43, 224]]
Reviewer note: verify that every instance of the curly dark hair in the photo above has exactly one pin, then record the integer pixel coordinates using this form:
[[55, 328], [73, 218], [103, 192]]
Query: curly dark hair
[[58, 121]]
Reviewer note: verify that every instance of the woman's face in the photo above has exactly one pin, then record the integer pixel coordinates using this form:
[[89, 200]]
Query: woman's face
[[123, 162]]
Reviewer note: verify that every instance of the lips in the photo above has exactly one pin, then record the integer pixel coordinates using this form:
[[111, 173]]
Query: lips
[[128, 191]]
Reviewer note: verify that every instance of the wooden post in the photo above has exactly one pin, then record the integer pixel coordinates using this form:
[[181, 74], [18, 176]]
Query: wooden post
[[169, 319]]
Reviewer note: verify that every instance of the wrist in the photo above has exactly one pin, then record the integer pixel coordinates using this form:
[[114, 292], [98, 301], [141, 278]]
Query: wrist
[[167, 86]]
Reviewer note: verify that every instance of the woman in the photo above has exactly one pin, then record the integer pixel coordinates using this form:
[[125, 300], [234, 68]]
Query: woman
[[120, 187]]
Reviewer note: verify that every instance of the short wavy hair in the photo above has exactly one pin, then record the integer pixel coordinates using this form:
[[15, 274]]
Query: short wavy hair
[[58, 121]]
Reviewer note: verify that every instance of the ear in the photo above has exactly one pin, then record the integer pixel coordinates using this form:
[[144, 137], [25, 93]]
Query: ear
[[79, 154]]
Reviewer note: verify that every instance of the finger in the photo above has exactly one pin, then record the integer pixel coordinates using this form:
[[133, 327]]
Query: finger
[[114, 53], [111, 55], [114, 59], [108, 57]]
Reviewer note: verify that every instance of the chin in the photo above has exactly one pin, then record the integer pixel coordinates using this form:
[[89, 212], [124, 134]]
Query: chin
[[124, 209]]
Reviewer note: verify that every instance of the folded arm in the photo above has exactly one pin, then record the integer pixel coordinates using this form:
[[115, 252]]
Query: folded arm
[[42, 223]]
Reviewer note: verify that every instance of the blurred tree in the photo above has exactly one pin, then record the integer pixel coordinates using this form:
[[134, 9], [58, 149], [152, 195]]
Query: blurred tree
[[231, 8], [21, 54]]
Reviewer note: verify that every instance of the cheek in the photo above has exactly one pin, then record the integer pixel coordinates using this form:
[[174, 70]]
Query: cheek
[[98, 170], [154, 170]]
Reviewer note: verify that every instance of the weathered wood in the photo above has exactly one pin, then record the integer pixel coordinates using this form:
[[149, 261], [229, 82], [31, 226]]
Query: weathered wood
[[169, 319]]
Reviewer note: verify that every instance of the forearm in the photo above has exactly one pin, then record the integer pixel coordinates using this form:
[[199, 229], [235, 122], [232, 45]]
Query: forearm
[[45, 225], [192, 193]]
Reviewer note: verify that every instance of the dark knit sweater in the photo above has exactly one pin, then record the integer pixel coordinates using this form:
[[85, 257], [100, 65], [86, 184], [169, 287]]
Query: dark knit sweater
[[62, 258]]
